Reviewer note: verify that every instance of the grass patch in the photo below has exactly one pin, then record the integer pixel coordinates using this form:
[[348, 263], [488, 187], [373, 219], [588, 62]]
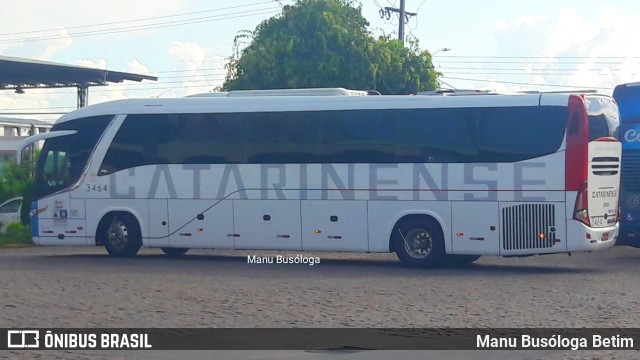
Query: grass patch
[[15, 234]]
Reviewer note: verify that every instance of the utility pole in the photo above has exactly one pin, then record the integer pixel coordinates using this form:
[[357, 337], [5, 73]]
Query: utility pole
[[403, 17], [401, 21]]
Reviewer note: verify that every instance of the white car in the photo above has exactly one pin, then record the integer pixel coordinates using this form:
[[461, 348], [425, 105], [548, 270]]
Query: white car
[[10, 212]]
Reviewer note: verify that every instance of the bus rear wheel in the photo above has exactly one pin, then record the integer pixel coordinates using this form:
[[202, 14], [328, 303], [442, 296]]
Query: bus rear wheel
[[418, 242], [174, 252], [122, 237]]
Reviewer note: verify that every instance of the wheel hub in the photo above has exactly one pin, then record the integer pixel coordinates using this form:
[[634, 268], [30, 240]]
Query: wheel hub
[[118, 235], [418, 243]]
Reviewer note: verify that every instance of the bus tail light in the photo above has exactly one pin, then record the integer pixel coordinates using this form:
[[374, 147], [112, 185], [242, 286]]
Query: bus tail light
[[580, 211], [577, 151]]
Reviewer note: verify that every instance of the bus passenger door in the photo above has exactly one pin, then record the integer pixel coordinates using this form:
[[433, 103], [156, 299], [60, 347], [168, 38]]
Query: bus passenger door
[[475, 228]]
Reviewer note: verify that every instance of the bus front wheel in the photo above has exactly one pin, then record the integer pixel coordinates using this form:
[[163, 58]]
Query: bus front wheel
[[419, 242], [174, 252], [122, 236]]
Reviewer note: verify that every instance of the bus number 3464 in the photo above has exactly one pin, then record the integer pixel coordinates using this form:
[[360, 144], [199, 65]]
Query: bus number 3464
[[94, 187]]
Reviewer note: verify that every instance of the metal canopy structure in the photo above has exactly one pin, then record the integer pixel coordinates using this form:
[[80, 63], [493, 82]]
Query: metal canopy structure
[[19, 74]]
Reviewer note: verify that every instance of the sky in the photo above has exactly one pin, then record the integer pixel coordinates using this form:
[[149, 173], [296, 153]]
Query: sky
[[500, 45]]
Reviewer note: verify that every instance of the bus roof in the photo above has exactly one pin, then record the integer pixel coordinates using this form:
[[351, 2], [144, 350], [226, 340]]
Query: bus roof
[[632, 84], [286, 92], [224, 104]]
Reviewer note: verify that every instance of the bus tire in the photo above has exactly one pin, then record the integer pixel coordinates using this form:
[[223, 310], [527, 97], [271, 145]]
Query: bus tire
[[419, 242], [461, 260], [174, 252], [122, 236]]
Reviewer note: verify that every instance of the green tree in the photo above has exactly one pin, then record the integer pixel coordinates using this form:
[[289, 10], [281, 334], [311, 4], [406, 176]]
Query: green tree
[[326, 43], [13, 180], [402, 70], [17, 180]]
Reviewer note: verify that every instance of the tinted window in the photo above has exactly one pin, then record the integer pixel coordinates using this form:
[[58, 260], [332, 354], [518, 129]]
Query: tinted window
[[63, 159], [518, 133], [436, 135], [355, 136], [282, 137], [228, 137], [11, 207], [604, 119], [176, 139]]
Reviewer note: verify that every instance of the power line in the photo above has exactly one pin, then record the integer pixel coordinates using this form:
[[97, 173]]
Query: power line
[[530, 62], [97, 91], [525, 83], [441, 68], [135, 20], [216, 81], [539, 57], [537, 60], [183, 77], [539, 72], [444, 68], [240, 14], [141, 84], [403, 16], [218, 76], [519, 73], [417, 12], [211, 86]]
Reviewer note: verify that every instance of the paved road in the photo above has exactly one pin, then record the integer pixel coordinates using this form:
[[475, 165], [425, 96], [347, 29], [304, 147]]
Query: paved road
[[83, 287]]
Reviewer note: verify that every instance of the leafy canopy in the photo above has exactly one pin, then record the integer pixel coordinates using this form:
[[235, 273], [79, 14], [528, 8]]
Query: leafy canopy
[[17, 180], [326, 43]]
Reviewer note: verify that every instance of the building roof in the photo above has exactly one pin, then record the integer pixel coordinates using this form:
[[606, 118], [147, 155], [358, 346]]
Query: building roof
[[16, 73]]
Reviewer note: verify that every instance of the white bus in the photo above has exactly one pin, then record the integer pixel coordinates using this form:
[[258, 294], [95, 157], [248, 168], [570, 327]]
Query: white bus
[[434, 179]]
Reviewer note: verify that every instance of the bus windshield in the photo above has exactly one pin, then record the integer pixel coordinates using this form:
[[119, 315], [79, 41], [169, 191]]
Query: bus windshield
[[63, 159], [604, 120], [628, 98]]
